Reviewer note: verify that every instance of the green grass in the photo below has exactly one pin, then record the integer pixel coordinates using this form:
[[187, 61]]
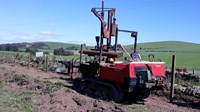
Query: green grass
[[52, 85], [12, 101], [182, 59], [67, 57], [22, 101], [138, 108], [3, 69], [187, 54], [12, 53], [45, 50], [169, 46], [1, 87], [56, 45], [16, 101], [187, 83]]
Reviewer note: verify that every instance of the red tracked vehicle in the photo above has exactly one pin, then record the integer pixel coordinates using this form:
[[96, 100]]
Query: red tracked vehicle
[[107, 78]]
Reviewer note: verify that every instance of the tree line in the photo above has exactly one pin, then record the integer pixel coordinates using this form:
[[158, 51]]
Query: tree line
[[11, 47]]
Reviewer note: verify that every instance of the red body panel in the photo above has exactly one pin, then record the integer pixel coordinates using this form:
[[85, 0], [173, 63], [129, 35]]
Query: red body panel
[[119, 71], [158, 69], [115, 74]]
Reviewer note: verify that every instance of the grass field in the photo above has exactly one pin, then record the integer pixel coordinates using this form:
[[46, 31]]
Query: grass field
[[56, 45], [177, 46], [187, 54], [182, 59], [12, 53]]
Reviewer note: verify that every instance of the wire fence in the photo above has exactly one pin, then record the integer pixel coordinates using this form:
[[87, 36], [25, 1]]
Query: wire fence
[[45, 63], [185, 70]]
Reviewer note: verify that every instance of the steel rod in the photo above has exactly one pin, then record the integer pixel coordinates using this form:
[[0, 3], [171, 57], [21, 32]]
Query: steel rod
[[172, 78]]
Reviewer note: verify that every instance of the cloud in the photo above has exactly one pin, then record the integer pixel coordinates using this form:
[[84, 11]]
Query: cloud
[[48, 33], [6, 30], [13, 32], [19, 34], [81, 42], [75, 42], [25, 38], [14, 36], [50, 36], [17, 39]]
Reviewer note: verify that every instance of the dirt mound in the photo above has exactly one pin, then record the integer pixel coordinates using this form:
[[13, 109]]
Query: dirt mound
[[65, 100], [53, 96], [15, 81]]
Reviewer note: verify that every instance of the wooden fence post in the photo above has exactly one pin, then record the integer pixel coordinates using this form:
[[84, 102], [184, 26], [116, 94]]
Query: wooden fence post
[[172, 78], [72, 66], [29, 61], [14, 59], [193, 71], [46, 63]]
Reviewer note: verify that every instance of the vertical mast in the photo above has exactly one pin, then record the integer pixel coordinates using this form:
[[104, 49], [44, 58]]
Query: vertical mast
[[102, 13], [102, 35], [102, 16]]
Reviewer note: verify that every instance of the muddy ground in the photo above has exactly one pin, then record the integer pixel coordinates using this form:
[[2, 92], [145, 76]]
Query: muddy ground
[[54, 94]]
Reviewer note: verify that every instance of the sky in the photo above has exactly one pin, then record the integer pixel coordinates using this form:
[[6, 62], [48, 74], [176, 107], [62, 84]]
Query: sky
[[71, 21]]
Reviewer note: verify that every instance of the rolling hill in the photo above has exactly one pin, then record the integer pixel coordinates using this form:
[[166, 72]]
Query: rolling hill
[[174, 46], [56, 45], [43, 45], [187, 53]]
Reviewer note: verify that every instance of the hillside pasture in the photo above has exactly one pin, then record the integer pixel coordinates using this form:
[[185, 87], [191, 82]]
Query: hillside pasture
[[177, 46], [56, 45], [183, 59], [187, 54]]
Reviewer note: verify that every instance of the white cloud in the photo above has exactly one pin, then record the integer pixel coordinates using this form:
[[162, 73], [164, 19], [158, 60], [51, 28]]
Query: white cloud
[[17, 39], [48, 33], [81, 42], [6, 30], [19, 34], [28, 38], [75, 42], [13, 36]]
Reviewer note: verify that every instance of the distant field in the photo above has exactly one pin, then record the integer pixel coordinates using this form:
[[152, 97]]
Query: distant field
[[187, 54], [56, 45], [182, 59], [10, 53], [168, 46]]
